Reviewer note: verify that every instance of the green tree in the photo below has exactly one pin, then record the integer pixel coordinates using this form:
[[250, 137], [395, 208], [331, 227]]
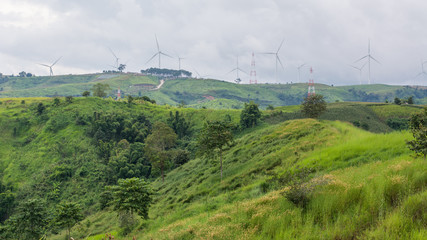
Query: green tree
[[313, 106], [410, 100], [7, 202], [250, 115], [56, 101], [67, 215], [99, 89], [179, 124], [418, 126], [215, 136], [30, 220], [132, 195], [86, 94], [130, 99], [40, 108], [397, 101], [69, 99], [158, 144]]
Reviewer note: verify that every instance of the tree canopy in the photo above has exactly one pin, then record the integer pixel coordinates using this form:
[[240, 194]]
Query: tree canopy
[[215, 136], [250, 115], [418, 126], [99, 89], [313, 106]]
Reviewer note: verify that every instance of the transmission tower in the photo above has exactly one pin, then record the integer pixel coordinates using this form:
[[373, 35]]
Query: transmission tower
[[118, 94], [252, 79], [311, 90]]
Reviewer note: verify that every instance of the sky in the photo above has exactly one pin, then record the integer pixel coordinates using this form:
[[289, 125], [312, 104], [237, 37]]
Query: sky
[[327, 36]]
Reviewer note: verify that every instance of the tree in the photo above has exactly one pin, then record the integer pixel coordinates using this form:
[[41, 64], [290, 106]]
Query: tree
[[22, 74], [179, 124], [158, 144], [86, 94], [67, 215], [30, 220], [132, 195], [99, 89], [130, 99], [69, 99], [397, 101], [313, 106], [121, 67], [215, 136], [250, 115], [418, 126], [40, 108], [56, 101], [410, 100]]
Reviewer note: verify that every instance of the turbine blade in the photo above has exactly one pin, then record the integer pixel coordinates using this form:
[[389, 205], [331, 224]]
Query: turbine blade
[[354, 67], [44, 65], [234, 69], [267, 53], [278, 59], [166, 55], [157, 42], [239, 69], [302, 65], [152, 58], [374, 59], [113, 53], [56, 61], [280, 46], [361, 58]]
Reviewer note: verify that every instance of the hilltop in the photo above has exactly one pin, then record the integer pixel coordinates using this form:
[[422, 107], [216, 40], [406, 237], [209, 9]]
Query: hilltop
[[202, 93], [358, 183]]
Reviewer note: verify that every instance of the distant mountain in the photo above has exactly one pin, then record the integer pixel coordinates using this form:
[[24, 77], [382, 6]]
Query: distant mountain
[[200, 93]]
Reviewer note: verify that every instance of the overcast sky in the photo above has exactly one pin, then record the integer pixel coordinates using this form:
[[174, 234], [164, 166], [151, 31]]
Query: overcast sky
[[328, 35]]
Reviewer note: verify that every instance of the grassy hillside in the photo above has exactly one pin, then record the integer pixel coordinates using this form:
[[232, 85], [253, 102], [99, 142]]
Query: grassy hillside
[[200, 93], [56, 156]]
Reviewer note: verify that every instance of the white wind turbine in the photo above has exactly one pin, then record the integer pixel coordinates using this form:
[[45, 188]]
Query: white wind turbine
[[237, 69], [51, 66], [159, 53], [276, 54], [369, 57], [117, 59], [360, 71], [299, 71], [423, 72]]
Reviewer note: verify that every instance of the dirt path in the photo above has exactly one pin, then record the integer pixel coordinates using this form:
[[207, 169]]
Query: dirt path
[[160, 85]]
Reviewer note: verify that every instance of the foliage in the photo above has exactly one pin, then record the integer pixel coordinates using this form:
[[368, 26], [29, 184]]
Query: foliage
[[86, 94], [132, 195], [250, 115], [67, 215], [313, 106], [418, 126], [179, 124], [98, 90], [215, 136], [30, 220], [158, 144], [56, 101], [397, 101], [40, 108], [398, 123], [69, 99]]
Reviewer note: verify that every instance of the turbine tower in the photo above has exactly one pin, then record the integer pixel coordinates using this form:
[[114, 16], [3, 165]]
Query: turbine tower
[[50, 66], [423, 72], [237, 69], [276, 54], [253, 79], [159, 53], [369, 57], [360, 71], [299, 74], [179, 62]]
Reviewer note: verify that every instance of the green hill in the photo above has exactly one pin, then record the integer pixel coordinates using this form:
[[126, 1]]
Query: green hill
[[287, 178], [199, 93]]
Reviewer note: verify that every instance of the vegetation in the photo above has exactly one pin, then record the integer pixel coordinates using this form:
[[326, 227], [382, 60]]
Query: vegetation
[[99, 90], [250, 115], [286, 178], [418, 126], [313, 106]]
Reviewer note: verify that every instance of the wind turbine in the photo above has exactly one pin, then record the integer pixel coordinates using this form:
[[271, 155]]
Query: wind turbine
[[50, 66], [360, 71], [117, 59], [159, 53], [237, 69], [299, 74], [179, 62], [276, 56], [423, 72], [369, 57]]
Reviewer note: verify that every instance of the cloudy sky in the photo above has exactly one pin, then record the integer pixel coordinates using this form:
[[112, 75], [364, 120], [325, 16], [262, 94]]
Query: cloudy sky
[[328, 35]]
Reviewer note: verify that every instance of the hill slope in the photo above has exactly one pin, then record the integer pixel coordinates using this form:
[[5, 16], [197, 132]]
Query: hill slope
[[200, 93]]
